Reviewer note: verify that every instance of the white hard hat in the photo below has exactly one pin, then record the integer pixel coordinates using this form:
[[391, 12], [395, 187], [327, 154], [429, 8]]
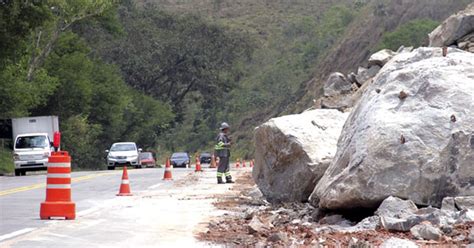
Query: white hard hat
[[224, 125]]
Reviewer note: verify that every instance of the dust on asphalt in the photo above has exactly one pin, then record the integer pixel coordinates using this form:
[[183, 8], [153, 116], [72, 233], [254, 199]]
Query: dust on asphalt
[[282, 229]]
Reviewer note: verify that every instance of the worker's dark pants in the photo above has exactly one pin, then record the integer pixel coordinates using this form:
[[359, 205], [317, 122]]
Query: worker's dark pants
[[223, 169]]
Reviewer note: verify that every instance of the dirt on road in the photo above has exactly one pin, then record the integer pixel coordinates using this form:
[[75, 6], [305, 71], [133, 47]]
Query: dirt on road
[[251, 223]]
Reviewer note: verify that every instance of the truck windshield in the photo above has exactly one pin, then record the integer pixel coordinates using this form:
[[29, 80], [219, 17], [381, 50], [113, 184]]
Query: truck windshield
[[123, 147], [31, 142]]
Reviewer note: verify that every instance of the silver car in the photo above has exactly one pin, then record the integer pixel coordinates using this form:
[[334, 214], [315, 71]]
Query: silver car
[[123, 153]]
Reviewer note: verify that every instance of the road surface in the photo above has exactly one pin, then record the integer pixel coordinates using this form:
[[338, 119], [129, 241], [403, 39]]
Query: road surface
[[160, 213]]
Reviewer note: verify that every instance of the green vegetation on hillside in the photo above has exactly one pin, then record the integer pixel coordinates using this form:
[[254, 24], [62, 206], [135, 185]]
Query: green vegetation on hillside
[[166, 74], [413, 33], [6, 161]]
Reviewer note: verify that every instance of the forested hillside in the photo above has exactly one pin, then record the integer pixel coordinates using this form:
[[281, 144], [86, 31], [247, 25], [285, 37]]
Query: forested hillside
[[165, 73]]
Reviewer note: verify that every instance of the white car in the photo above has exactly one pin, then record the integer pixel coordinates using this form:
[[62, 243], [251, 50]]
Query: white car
[[123, 153]]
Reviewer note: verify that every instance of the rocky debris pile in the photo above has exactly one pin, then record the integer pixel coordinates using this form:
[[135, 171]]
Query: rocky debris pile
[[448, 223], [302, 225], [342, 92], [456, 31], [411, 135], [293, 152]]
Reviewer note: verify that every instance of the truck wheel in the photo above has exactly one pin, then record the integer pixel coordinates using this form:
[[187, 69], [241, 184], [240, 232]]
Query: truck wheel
[[17, 172], [110, 167]]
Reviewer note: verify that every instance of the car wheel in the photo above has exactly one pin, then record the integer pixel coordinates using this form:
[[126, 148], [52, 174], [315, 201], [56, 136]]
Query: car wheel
[[17, 172], [23, 172], [110, 167]]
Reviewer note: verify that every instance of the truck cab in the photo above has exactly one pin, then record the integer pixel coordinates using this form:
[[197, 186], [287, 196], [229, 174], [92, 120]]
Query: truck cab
[[31, 152]]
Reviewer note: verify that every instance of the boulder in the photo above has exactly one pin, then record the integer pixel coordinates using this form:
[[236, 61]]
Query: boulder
[[364, 74], [256, 226], [292, 153], [396, 208], [337, 84], [466, 43], [453, 28], [352, 77], [395, 224], [426, 231], [419, 148], [465, 216], [396, 242], [279, 236], [448, 204], [464, 202], [381, 57]]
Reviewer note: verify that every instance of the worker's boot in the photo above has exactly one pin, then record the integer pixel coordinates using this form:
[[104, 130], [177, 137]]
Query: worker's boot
[[219, 180], [228, 179]]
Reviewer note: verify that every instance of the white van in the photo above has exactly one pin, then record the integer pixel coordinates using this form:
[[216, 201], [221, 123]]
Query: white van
[[31, 152]]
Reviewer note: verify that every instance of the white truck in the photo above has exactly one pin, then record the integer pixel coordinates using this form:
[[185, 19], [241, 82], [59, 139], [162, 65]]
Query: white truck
[[32, 142]]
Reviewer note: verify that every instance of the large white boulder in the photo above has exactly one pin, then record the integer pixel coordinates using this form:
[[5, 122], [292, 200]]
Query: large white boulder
[[416, 145], [292, 152], [453, 28]]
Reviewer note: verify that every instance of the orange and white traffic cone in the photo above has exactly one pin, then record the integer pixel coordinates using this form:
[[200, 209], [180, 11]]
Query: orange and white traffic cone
[[237, 164], [243, 163], [125, 185], [213, 162], [58, 188], [198, 165], [168, 175]]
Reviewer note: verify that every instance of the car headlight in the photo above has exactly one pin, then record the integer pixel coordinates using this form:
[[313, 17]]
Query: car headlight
[[134, 156], [187, 162], [112, 157], [16, 157], [46, 155]]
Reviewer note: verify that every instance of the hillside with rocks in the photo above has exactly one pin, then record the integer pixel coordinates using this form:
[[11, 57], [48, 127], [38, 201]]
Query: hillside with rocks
[[404, 159], [298, 44]]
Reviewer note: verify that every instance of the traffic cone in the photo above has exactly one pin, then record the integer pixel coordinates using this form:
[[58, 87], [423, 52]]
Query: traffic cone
[[251, 163], [125, 185], [213, 162], [243, 163], [58, 188], [237, 164], [168, 175], [198, 165]]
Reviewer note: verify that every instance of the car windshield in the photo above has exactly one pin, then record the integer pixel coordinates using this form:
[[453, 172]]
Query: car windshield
[[179, 155], [39, 141], [123, 147], [146, 155]]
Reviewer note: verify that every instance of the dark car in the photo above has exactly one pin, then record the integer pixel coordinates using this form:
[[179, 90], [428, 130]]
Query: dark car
[[205, 158], [179, 159], [147, 159]]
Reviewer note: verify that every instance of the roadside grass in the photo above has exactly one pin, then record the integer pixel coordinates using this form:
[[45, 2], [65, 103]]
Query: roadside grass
[[6, 161]]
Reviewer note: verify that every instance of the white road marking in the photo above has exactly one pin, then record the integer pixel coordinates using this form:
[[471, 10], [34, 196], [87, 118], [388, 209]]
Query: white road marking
[[16, 233], [155, 186]]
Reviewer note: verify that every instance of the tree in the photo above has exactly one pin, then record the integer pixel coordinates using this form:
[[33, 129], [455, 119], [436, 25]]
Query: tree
[[65, 14]]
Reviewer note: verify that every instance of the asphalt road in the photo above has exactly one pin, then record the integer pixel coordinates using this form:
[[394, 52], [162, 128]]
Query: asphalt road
[[98, 209]]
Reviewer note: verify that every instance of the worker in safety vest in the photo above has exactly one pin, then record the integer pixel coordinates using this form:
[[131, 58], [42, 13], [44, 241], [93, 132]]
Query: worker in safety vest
[[223, 152]]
